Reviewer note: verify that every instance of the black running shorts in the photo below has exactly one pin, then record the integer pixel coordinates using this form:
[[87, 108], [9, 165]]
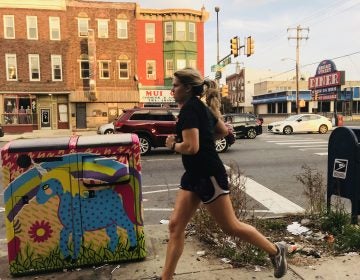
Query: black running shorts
[[207, 188]]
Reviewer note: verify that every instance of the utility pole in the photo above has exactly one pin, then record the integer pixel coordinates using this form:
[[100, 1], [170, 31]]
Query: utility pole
[[298, 38]]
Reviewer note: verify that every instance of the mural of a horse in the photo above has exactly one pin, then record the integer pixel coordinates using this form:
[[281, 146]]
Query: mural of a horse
[[104, 210]]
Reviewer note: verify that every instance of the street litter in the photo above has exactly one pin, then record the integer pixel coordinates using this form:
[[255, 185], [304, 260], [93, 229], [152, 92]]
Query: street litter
[[257, 268], [96, 268], [200, 253], [164, 222], [296, 229], [226, 260], [118, 266]]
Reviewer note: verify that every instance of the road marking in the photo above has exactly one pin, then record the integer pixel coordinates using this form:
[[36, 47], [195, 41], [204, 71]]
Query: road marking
[[160, 159], [161, 185], [159, 209], [311, 147], [2, 209], [321, 154], [271, 200], [294, 143], [159, 191], [296, 140]]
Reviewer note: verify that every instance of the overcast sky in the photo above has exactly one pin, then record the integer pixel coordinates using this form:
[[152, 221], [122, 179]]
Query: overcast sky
[[334, 32]]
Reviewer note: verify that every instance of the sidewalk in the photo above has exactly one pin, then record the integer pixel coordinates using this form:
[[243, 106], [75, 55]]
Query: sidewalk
[[192, 266]]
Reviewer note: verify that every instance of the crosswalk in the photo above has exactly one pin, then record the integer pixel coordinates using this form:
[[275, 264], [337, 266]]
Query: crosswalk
[[302, 143]]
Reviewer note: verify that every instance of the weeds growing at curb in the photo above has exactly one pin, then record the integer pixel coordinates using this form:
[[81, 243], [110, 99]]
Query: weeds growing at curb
[[336, 223]]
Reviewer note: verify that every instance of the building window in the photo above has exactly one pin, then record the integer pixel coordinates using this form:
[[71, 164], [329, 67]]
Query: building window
[[63, 113], [83, 27], [150, 32], [169, 70], [192, 34], [180, 31], [123, 69], [32, 29], [19, 109], [11, 67], [34, 67], [169, 31], [54, 24], [84, 69], [122, 30], [192, 63], [9, 27], [150, 70], [56, 67], [103, 28], [104, 69], [180, 64]]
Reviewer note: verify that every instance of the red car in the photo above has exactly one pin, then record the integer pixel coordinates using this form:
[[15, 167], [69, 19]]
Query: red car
[[153, 125]]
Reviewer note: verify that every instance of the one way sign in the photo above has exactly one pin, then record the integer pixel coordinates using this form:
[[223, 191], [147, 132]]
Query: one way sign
[[340, 168]]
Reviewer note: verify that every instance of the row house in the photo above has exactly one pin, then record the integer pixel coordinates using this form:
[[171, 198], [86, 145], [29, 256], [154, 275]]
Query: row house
[[78, 64]]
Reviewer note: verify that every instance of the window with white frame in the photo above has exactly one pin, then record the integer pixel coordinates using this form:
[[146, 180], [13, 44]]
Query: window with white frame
[[150, 70], [11, 67], [83, 27], [54, 26], [150, 32], [56, 67], [34, 67], [169, 68], [192, 34], [104, 67], [122, 29], [180, 64], [180, 31], [9, 27], [124, 69], [103, 28], [169, 31], [192, 63], [84, 69], [32, 28]]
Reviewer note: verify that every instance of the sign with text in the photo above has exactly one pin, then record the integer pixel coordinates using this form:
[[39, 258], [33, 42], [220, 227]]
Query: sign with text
[[156, 96], [327, 82]]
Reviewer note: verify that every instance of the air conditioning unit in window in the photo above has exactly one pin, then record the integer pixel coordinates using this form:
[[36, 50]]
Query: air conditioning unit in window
[[83, 33]]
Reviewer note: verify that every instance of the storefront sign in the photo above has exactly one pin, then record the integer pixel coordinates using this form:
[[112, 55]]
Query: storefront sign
[[327, 82], [156, 96]]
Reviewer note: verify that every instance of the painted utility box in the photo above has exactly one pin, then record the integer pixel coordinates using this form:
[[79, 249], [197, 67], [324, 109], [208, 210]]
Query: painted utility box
[[72, 201]]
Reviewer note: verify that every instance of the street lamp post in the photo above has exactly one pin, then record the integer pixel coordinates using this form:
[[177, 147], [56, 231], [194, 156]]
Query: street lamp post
[[217, 9]]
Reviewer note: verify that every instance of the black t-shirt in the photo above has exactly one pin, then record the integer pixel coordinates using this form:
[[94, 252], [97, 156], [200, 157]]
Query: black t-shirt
[[195, 114]]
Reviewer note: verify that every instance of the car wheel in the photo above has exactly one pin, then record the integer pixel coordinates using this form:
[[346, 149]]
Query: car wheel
[[145, 145], [251, 134], [221, 145], [109, 131], [287, 130], [323, 129]]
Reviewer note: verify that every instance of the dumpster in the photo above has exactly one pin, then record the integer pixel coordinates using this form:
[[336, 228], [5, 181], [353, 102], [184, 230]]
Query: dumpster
[[344, 167], [72, 201]]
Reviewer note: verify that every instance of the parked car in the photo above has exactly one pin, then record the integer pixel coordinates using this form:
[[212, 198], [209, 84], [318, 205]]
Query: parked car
[[301, 123], [107, 128], [153, 125], [244, 124], [1, 131]]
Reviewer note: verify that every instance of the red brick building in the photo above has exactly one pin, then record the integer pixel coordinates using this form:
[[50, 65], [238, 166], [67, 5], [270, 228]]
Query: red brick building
[[78, 63]]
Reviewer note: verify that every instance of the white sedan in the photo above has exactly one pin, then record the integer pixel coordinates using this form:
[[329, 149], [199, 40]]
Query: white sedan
[[301, 123], [107, 128]]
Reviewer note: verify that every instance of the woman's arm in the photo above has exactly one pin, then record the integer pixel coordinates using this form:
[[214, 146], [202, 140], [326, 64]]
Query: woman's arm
[[189, 145], [220, 130]]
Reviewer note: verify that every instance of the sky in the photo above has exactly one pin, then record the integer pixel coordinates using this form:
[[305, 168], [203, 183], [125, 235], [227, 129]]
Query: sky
[[334, 32]]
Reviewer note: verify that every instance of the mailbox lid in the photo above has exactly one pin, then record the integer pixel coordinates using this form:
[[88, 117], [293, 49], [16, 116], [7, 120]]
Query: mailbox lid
[[106, 140], [39, 144]]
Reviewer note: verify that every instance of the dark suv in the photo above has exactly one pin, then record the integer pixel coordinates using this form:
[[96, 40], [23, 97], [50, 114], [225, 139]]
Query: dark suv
[[245, 124], [153, 125]]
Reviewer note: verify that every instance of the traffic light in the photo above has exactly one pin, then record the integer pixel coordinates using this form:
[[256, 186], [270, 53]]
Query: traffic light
[[234, 46], [224, 90], [250, 46]]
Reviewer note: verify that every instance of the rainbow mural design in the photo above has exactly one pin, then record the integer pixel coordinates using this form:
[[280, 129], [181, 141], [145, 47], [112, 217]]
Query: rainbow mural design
[[72, 207]]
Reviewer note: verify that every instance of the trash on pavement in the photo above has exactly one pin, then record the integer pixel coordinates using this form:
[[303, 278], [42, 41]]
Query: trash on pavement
[[296, 229]]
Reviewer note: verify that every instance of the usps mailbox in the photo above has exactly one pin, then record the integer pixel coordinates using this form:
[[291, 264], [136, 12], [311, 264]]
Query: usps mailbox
[[344, 167], [72, 201]]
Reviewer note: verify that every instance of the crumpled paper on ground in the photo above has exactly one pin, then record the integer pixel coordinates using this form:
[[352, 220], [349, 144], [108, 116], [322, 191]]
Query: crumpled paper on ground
[[296, 229]]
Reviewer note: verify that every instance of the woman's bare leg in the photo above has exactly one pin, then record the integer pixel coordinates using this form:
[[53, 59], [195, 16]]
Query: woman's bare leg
[[223, 212], [185, 206]]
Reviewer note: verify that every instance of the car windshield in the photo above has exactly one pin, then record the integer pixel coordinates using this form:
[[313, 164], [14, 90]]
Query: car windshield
[[292, 118]]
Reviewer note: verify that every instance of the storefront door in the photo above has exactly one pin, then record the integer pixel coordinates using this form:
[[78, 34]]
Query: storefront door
[[45, 118]]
